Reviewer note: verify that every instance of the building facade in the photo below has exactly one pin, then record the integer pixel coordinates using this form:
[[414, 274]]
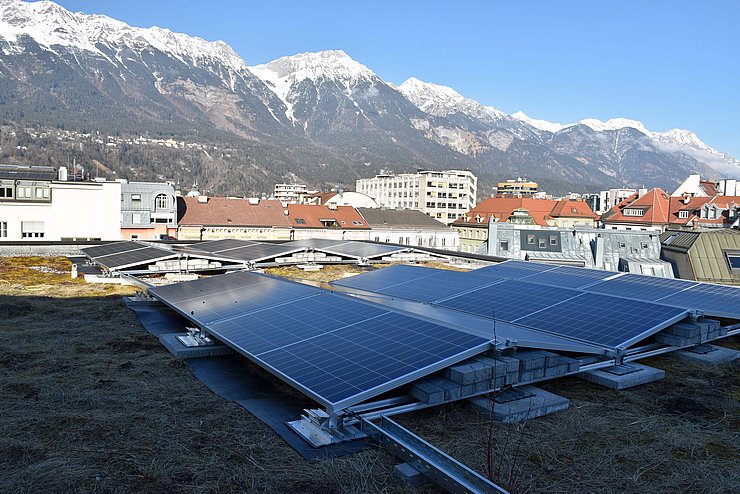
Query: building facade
[[327, 222], [443, 195], [409, 227], [517, 188], [215, 218], [148, 211], [36, 206], [611, 250], [473, 226], [290, 193]]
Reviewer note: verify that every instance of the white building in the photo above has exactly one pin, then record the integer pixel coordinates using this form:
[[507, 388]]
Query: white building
[[36, 206], [610, 198], [290, 193], [443, 195], [696, 187]]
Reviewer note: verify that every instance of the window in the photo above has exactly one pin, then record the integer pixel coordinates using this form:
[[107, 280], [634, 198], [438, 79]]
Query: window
[[530, 239], [503, 245], [3, 229], [300, 221], [134, 236], [32, 229], [541, 243], [553, 240], [734, 259], [683, 214], [161, 201], [355, 222], [135, 197], [633, 212], [24, 193], [41, 193], [6, 192]]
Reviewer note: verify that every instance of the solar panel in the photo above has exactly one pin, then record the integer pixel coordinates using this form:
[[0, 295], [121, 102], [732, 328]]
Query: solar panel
[[601, 319], [315, 243], [568, 276], [135, 257], [362, 249], [258, 252], [641, 287], [722, 301], [371, 353], [221, 297], [336, 349], [109, 249], [214, 246], [513, 269]]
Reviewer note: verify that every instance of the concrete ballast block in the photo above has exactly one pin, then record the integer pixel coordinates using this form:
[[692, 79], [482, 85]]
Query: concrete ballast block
[[536, 403], [708, 354], [623, 376], [409, 475]]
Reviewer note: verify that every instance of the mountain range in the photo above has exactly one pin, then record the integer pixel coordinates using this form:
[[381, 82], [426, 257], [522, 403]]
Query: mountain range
[[319, 118]]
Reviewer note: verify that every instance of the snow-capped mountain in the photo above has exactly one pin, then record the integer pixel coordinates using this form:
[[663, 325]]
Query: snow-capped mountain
[[321, 118]]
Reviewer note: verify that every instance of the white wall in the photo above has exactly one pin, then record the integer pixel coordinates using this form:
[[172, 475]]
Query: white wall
[[77, 209], [449, 240]]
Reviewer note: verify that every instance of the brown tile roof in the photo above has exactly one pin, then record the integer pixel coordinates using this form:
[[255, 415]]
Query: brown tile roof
[[315, 216], [221, 211]]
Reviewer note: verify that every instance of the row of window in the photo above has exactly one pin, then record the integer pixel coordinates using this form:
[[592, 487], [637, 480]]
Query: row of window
[[29, 229], [26, 192]]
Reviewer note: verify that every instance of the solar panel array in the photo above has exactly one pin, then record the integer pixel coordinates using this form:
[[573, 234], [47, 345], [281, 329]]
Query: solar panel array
[[121, 255], [348, 248], [580, 304], [339, 350], [714, 300]]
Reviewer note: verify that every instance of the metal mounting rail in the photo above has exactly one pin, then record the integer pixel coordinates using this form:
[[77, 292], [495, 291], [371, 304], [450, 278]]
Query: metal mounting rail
[[438, 466]]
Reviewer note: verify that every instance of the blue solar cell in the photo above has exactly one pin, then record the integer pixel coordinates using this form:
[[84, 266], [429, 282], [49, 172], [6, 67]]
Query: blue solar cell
[[508, 299], [568, 277], [712, 299], [337, 349], [354, 359], [220, 297], [513, 269], [604, 320], [640, 287]]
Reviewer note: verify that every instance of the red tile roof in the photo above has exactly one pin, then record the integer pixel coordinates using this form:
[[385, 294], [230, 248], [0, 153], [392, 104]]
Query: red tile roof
[[659, 209], [315, 216], [566, 208], [541, 210], [222, 211]]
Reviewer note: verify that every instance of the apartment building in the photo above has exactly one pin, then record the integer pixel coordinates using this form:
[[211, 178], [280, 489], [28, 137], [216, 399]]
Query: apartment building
[[443, 195]]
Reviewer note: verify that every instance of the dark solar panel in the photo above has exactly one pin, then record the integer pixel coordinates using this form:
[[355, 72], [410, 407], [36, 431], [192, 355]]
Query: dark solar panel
[[109, 249], [258, 252], [337, 349], [134, 257], [214, 246], [315, 243], [509, 300], [362, 249], [604, 320]]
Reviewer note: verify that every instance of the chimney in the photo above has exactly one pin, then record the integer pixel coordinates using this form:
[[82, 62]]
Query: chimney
[[254, 201], [641, 192], [202, 199]]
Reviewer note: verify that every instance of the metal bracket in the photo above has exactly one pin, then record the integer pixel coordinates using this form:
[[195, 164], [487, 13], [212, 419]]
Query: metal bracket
[[321, 428], [196, 337]]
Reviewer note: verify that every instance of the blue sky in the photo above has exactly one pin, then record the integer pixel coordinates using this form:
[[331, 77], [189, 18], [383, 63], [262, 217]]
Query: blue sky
[[666, 63]]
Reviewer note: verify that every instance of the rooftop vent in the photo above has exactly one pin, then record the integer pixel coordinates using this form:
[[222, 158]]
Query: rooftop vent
[[202, 199]]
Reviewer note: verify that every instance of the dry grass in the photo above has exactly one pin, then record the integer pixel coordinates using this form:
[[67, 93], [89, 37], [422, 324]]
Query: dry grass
[[92, 403]]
